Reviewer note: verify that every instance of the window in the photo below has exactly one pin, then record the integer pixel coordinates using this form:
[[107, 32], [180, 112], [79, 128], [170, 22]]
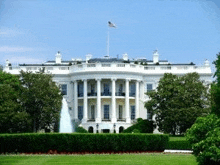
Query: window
[[132, 90], [106, 90], [80, 112], [120, 111], [120, 88], [80, 90], [132, 112], [92, 88], [64, 89], [106, 111], [149, 87], [92, 111]]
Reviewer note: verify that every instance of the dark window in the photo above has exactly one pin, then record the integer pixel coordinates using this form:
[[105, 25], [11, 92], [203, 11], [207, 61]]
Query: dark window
[[120, 111], [80, 90], [92, 88], [106, 90], [132, 112], [149, 87], [80, 112], [64, 89], [132, 90], [92, 111], [106, 111]]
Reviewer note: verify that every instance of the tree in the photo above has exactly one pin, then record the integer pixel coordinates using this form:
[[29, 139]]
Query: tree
[[177, 102], [204, 134], [204, 138], [41, 98], [12, 115]]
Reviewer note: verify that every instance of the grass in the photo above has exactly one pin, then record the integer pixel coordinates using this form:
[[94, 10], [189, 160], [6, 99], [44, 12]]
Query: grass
[[126, 159], [177, 138]]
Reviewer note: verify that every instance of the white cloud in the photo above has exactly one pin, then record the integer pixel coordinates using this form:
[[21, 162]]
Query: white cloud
[[7, 49]]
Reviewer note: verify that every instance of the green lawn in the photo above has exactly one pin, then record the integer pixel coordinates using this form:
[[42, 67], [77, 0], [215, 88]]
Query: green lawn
[[146, 159], [177, 138]]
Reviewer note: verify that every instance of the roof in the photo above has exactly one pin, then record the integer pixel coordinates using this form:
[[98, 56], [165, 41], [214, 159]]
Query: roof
[[95, 60]]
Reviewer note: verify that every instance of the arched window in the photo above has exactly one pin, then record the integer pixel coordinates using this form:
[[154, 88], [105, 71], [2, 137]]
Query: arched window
[[90, 129], [121, 129]]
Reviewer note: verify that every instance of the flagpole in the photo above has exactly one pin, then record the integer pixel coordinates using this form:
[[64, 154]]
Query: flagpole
[[108, 43]]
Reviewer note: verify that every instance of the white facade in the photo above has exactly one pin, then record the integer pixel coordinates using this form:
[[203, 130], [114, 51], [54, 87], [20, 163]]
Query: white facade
[[109, 93]]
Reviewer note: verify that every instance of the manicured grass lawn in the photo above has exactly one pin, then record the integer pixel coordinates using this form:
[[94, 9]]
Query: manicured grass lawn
[[177, 138], [127, 159]]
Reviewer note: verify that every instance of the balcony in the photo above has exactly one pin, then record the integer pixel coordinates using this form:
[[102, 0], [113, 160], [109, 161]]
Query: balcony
[[121, 120], [80, 94], [106, 94], [119, 94], [92, 94], [132, 94]]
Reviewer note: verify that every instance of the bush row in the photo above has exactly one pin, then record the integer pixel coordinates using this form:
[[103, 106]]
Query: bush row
[[179, 145], [12, 143]]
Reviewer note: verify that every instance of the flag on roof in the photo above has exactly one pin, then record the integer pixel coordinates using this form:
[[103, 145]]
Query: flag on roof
[[111, 24]]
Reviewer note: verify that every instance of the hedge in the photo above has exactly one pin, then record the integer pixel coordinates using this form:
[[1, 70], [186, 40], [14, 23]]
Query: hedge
[[179, 145], [39, 142]]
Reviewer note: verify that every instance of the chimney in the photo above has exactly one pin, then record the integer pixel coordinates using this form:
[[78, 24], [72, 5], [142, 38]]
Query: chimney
[[88, 57], [155, 56], [58, 58], [206, 63], [125, 57]]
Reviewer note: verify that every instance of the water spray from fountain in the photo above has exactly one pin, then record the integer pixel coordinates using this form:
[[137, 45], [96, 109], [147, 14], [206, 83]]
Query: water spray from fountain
[[65, 121]]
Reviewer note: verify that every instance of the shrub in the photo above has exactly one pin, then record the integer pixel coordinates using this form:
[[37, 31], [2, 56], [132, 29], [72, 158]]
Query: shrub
[[144, 126], [37, 142], [135, 131], [204, 136], [179, 145], [81, 130]]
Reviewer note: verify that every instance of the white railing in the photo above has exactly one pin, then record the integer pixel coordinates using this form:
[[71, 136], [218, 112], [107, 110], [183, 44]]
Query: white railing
[[124, 67]]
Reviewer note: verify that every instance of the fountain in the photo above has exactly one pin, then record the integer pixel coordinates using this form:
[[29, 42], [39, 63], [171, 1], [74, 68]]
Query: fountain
[[65, 121]]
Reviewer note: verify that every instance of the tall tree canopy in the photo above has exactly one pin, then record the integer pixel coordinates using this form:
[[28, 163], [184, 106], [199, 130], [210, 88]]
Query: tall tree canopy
[[177, 102], [215, 89], [13, 118], [204, 134], [41, 98]]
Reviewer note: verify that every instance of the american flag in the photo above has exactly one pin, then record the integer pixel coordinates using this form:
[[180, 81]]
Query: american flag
[[111, 24]]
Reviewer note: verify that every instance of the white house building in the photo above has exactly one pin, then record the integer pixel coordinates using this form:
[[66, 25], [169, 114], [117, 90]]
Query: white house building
[[109, 93]]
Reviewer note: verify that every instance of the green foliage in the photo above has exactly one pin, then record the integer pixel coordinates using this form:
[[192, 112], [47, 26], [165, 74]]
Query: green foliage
[[143, 126], [77, 142], [41, 98], [177, 102], [13, 118], [215, 88], [204, 136], [81, 130], [179, 145], [135, 131]]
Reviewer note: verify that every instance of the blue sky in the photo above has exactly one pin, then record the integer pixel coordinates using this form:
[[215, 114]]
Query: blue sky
[[183, 31]]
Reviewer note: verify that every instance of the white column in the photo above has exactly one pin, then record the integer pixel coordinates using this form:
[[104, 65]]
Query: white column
[[113, 101], [85, 111], [127, 112], [98, 118], [137, 100], [75, 101]]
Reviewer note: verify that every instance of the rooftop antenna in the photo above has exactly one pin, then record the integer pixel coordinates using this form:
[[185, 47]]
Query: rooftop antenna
[[110, 25]]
